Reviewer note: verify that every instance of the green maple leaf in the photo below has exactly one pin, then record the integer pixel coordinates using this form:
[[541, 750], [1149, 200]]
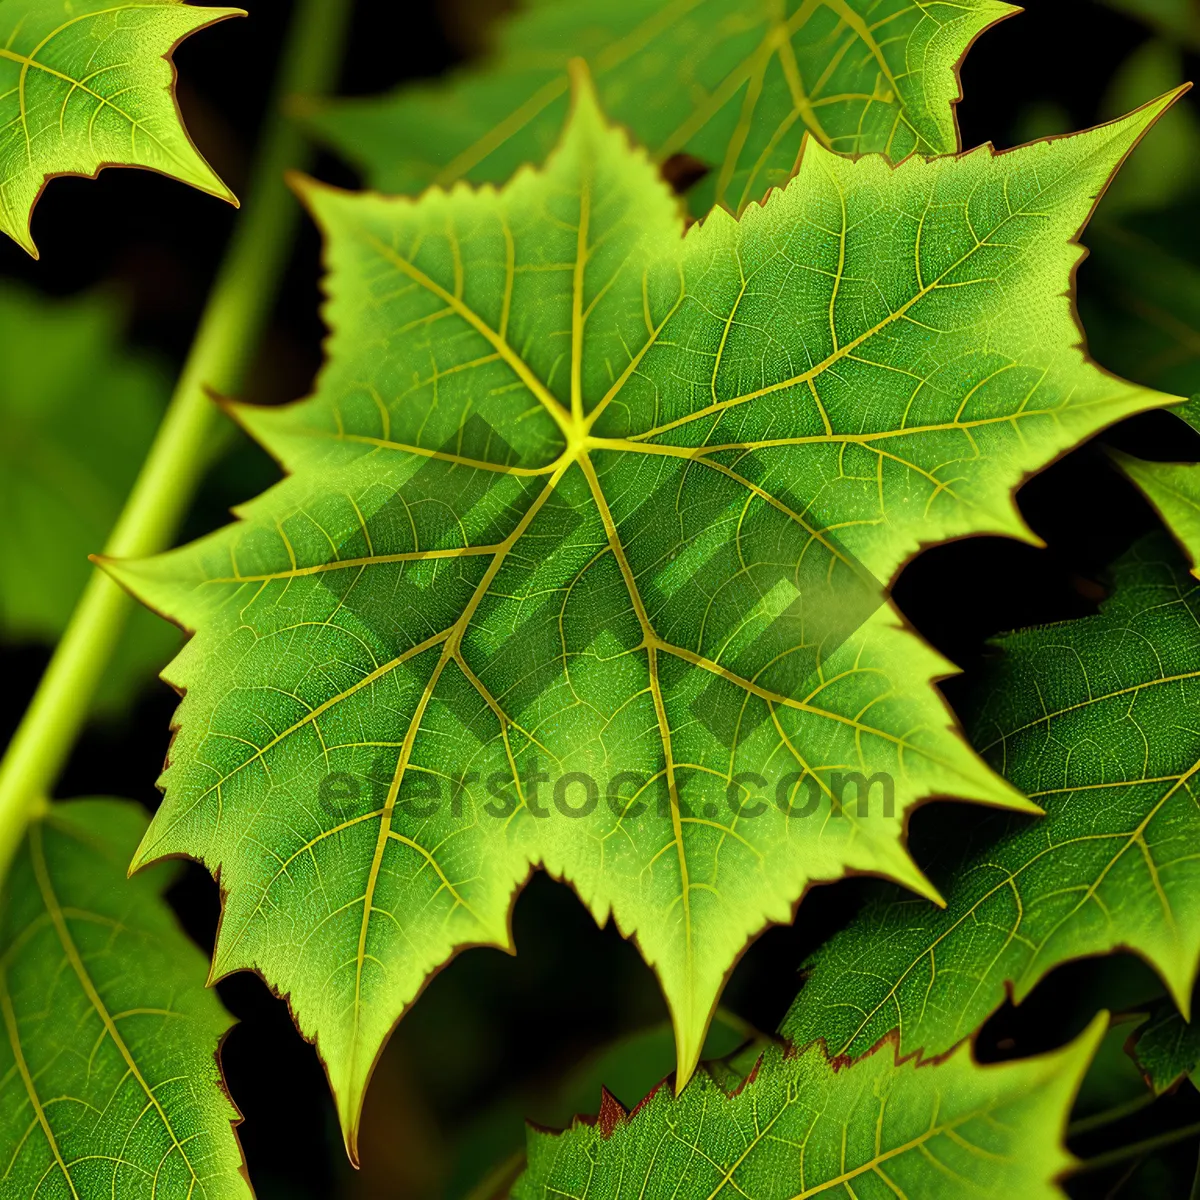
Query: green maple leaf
[[578, 494], [733, 83], [109, 1083], [1094, 719], [79, 413], [799, 1128], [1166, 1048], [86, 84], [1173, 488]]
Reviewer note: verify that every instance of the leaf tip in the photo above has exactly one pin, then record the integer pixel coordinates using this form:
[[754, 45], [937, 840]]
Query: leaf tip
[[920, 883], [689, 1044], [1016, 527], [580, 76], [1084, 1047], [350, 1118], [300, 182], [112, 567], [1179, 975], [1143, 118], [585, 104], [1022, 804], [144, 855], [23, 236], [310, 192]]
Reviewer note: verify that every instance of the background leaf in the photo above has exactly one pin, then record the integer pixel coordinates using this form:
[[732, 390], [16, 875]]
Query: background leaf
[[1143, 303], [1173, 488], [1166, 1048], [1177, 19], [109, 1083], [799, 1128], [734, 84], [1097, 721], [79, 413]]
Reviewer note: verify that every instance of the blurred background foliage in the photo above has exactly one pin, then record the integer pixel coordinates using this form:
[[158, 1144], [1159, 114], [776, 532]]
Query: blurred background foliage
[[67, 466], [89, 341]]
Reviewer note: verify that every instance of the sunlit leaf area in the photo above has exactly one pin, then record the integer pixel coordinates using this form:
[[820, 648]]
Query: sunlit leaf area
[[599, 599]]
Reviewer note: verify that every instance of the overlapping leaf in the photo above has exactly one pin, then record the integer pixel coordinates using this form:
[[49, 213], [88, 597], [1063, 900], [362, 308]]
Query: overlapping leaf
[[733, 83], [1098, 720], [78, 415], [86, 84], [797, 1128], [109, 1084], [576, 511], [1166, 1048], [489, 1153], [1173, 488]]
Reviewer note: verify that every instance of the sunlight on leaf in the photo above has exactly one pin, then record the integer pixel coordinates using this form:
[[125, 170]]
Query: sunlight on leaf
[[589, 510], [86, 84]]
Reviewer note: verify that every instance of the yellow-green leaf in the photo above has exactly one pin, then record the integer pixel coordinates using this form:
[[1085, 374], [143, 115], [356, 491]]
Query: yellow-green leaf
[[1173, 488], [586, 512], [86, 84], [799, 1128]]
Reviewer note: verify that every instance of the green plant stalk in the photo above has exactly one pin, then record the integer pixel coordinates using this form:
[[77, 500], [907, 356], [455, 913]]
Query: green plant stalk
[[1148, 1146], [230, 330], [1110, 1115]]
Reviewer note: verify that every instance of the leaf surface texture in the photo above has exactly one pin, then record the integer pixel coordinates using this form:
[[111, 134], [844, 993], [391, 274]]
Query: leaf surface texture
[[734, 84], [86, 84], [581, 498], [109, 1083], [798, 1128], [1097, 721]]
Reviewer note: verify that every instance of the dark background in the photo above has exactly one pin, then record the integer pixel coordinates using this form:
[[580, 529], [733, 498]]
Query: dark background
[[490, 1024]]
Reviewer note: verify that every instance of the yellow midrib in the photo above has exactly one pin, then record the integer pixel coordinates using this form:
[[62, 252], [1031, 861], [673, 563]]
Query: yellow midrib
[[71, 952]]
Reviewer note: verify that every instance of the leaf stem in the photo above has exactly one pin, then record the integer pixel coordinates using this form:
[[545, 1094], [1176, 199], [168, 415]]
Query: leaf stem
[[1110, 1115], [1134, 1149], [230, 330]]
